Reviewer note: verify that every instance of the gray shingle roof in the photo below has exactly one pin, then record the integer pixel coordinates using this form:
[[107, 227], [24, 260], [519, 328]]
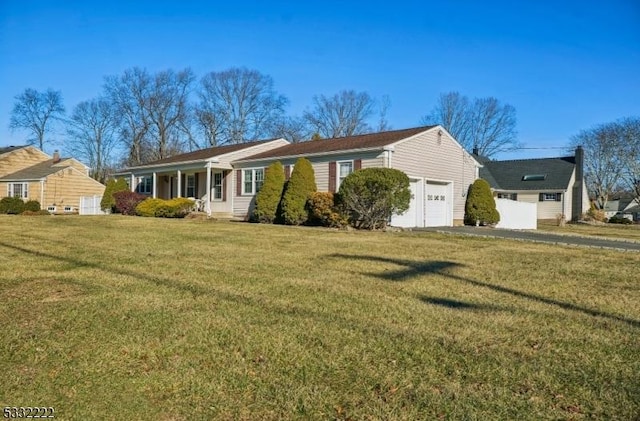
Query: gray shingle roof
[[34, 172], [10, 148], [508, 175], [364, 141]]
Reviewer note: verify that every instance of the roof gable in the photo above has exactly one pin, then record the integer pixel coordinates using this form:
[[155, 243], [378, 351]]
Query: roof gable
[[549, 173], [341, 144], [34, 172]]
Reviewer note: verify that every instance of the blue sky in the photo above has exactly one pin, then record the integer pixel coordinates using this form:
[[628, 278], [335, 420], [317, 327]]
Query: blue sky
[[564, 65]]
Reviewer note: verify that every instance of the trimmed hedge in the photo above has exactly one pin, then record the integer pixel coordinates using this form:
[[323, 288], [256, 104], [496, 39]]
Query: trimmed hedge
[[299, 189], [480, 208], [108, 202], [174, 208], [268, 198], [370, 196], [322, 211], [126, 201], [11, 205], [32, 206], [35, 213]]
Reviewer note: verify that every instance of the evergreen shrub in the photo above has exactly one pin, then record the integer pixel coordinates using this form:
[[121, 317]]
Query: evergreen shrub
[[32, 206], [299, 189], [148, 207], [11, 205], [268, 198], [480, 208], [322, 211], [369, 197], [108, 202]]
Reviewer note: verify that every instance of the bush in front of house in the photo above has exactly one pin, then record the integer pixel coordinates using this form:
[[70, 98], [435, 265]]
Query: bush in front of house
[[268, 198], [11, 205], [108, 202], [126, 201], [148, 207], [322, 211], [32, 206], [160, 208], [35, 213], [370, 196], [480, 208], [175, 208], [299, 189]]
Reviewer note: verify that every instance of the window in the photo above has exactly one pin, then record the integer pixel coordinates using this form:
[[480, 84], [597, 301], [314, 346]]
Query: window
[[191, 185], [68, 209], [145, 185], [51, 208], [217, 186], [550, 197], [344, 169], [510, 196], [20, 190], [252, 180]]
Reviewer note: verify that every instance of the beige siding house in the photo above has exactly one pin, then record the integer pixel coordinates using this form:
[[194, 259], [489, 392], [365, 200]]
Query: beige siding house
[[57, 183], [556, 185], [224, 180]]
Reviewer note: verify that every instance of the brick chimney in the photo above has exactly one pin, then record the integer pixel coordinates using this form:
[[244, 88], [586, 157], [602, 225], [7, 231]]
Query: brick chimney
[[578, 187], [56, 156]]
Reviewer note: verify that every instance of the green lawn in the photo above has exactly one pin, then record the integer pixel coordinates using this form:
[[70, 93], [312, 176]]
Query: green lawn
[[132, 318]]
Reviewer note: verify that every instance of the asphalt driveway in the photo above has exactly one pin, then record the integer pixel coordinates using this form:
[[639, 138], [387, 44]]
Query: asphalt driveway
[[538, 237]]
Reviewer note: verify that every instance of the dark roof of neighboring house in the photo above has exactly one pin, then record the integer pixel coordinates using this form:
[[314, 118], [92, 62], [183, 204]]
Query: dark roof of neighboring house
[[509, 175], [10, 148], [34, 172], [364, 141], [203, 154]]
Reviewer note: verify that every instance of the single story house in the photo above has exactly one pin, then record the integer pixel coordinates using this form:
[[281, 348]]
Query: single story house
[[623, 205], [57, 183], [556, 185], [226, 178]]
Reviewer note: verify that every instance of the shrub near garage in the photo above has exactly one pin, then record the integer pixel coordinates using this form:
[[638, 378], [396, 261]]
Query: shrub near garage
[[108, 202], [370, 196], [480, 208]]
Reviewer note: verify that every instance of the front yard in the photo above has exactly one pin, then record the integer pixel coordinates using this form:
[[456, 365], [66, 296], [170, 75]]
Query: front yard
[[141, 318]]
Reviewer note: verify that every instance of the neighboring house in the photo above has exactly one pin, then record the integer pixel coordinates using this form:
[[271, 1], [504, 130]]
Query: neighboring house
[[57, 183], [555, 184], [227, 178], [623, 205]]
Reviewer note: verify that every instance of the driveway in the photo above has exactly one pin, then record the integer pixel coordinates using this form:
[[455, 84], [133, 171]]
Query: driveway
[[538, 237]]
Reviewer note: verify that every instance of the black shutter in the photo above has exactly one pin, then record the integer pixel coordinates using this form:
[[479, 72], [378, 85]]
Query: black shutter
[[558, 197], [541, 197]]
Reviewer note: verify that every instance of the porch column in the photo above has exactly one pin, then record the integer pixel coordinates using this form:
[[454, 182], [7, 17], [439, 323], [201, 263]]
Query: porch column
[[208, 195], [179, 183], [133, 182], [154, 187]]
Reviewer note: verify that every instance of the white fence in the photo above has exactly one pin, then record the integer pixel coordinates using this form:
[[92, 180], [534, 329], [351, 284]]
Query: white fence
[[517, 215], [90, 205]]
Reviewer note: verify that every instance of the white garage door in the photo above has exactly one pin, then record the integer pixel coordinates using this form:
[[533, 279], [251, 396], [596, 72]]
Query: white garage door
[[438, 205], [413, 216]]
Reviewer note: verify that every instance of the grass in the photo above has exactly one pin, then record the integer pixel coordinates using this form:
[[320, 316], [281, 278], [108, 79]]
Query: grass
[[141, 318], [613, 231]]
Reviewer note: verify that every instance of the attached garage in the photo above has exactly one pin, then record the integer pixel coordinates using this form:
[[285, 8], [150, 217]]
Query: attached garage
[[431, 205]]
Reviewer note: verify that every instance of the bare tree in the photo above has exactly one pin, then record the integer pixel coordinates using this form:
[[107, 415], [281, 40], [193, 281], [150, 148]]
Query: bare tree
[[91, 131], [603, 166], [294, 129], [127, 94], [483, 123], [383, 123], [343, 114], [34, 111], [629, 133], [238, 105]]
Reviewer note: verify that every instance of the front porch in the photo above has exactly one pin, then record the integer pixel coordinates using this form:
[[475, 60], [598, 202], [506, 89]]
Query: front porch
[[209, 186]]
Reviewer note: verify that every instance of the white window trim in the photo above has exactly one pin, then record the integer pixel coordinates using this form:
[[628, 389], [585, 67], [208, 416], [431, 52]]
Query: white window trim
[[24, 193], [142, 184], [214, 186], [51, 208], [253, 180], [338, 163], [186, 185], [547, 199], [68, 209]]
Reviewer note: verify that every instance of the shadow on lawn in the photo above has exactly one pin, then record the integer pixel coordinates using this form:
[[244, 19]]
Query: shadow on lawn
[[413, 268], [457, 305], [112, 269]]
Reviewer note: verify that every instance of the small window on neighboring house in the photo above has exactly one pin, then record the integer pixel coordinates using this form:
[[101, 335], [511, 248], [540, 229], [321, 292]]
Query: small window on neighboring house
[[217, 186], [20, 190], [191, 185], [252, 180], [510, 196], [550, 197], [51, 208], [68, 209], [344, 169]]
